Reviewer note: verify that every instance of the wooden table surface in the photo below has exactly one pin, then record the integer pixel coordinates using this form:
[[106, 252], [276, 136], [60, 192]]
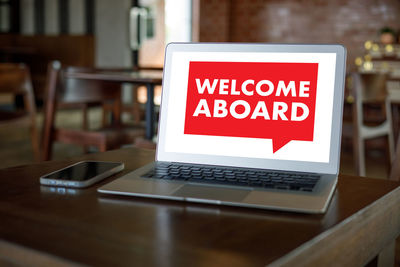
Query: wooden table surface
[[143, 76], [47, 225]]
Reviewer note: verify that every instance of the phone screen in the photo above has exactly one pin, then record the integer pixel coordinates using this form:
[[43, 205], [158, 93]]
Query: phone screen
[[82, 171]]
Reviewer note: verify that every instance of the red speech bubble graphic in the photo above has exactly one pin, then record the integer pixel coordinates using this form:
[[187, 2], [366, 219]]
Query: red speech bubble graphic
[[252, 99]]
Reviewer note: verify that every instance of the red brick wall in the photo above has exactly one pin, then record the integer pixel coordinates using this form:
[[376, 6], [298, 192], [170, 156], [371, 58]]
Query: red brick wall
[[214, 20], [350, 22]]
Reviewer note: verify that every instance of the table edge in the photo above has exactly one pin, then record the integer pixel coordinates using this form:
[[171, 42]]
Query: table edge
[[24, 256], [334, 240]]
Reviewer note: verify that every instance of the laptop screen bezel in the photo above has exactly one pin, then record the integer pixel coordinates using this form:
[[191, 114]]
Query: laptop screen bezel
[[332, 167]]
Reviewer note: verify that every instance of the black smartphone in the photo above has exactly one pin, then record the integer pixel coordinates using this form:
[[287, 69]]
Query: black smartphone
[[82, 174]]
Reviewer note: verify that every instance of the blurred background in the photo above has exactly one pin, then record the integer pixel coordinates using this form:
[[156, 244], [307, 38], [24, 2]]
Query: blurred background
[[130, 36]]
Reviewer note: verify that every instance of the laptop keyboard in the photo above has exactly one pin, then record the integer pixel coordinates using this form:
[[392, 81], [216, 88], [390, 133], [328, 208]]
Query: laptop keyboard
[[234, 176]]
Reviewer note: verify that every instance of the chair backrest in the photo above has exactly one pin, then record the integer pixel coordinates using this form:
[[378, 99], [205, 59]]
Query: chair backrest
[[14, 78], [62, 88], [370, 87]]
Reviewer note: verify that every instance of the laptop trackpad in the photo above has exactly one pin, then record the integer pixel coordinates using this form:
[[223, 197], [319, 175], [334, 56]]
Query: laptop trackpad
[[212, 193]]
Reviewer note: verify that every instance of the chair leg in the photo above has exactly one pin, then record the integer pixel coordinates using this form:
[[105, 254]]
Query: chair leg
[[47, 151], [103, 147], [391, 146], [396, 119], [391, 151], [361, 147], [104, 115], [85, 125], [47, 145], [359, 155], [35, 143], [136, 105], [395, 169], [49, 110]]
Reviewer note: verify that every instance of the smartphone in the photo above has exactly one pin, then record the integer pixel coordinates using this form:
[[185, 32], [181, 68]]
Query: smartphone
[[82, 174]]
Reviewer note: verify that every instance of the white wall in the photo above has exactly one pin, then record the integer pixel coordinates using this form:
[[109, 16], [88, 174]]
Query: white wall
[[112, 44], [27, 19], [76, 16]]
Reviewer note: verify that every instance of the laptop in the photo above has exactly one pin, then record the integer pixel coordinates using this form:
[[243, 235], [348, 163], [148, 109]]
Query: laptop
[[249, 125]]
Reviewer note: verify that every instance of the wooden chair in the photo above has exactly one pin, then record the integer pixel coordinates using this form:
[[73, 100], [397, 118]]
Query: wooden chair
[[15, 79], [394, 97], [395, 170], [370, 88], [64, 91]]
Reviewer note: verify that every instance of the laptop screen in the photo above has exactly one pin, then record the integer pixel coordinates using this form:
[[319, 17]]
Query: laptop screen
[[250, 105]]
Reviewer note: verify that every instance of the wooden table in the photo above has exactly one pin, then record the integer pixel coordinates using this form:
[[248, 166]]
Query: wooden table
[[395, 102], [47, 226], [149, 78]]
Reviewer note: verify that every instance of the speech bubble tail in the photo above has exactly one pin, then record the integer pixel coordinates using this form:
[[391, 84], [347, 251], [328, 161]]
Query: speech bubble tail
[[278, 144]]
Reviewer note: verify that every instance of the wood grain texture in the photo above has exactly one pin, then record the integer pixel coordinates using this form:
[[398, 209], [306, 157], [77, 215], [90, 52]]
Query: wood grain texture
[[14, 255], [87, 227], [353, 242]]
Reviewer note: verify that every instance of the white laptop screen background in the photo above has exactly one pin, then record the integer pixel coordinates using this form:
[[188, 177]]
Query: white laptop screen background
[[317, 150]]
